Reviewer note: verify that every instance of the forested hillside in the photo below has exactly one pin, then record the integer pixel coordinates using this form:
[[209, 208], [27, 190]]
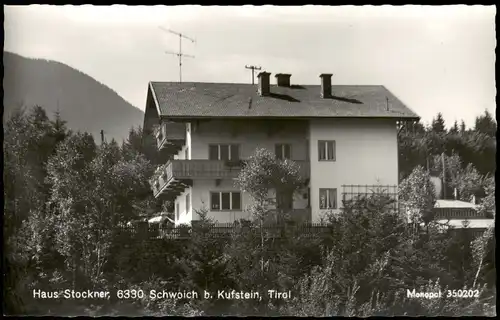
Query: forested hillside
[[86, 104]]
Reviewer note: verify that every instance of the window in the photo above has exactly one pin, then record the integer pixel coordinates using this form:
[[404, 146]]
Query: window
[[188, 203], [283, 151], [177, 211], [225, 201], [328, 198], [224, 152], [186, 154], [326, 150]]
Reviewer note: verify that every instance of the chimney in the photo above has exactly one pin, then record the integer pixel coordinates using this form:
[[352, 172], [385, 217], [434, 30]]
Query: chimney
[[283, 79], [326, 85], [264, 83]]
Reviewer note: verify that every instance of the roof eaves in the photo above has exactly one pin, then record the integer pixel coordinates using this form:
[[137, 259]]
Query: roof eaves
[[153, 94]]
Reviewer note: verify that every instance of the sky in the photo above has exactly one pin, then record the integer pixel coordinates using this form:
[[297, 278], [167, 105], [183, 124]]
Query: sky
[[433, 58]]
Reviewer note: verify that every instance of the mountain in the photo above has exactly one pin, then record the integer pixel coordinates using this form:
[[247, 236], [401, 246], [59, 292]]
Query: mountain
[[84, 103]]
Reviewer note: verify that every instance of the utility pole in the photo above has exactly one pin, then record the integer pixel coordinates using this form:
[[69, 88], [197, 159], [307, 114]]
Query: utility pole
[[253, 68], [102, 136], [444, 175], [179, 54]]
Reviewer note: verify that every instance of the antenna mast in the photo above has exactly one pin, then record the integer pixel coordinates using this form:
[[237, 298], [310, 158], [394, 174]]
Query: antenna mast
[[179, 54], [253, 68]]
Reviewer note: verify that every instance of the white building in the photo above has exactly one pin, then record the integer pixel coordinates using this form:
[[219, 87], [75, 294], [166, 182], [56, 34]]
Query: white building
[[343, 137]]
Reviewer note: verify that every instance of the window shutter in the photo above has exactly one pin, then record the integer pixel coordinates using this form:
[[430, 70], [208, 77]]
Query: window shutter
[[288, 151], [213, 152], [322, 198], [235, 152], [224, 152], [226, 202], [236, 200], [332, 198], [331, 150], [321, 150], [277, 151]]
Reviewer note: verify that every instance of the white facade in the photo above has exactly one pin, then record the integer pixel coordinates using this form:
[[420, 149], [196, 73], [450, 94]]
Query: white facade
[[366, 153]]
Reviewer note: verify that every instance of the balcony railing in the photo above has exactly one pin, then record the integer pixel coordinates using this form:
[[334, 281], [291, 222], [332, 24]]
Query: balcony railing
[[457, 213], [170, 134], [177, 173]]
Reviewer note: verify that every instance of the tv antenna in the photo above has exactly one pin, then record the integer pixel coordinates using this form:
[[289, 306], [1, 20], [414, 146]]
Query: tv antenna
[[179, 54], [253, 68]]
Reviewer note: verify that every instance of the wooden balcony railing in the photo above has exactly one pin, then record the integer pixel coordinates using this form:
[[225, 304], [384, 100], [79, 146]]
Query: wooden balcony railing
[[181, 170], [170, 133]]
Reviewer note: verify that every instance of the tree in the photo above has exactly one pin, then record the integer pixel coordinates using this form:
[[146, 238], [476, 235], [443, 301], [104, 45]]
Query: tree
[[479, 247], [202, 265], [59, 128], [271, 182], [417, 194], [487, 205], [453, 172], [94, 191], [486, 124], [454, 129], [438, 125], [264, 175], [374, 253], [470, 183], [462, 127]]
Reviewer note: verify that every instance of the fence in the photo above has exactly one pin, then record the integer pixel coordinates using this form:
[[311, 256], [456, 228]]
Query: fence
[[222, 230]]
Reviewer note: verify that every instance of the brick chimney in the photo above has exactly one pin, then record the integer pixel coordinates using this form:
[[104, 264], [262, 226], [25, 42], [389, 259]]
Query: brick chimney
[[283, 79], [326, 85], [264, 83]]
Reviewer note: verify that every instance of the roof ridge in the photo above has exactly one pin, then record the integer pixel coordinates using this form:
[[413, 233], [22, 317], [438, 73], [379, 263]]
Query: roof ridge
[[273, 85]]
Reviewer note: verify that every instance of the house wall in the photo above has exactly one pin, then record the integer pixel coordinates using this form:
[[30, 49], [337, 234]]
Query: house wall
[[366, 154], [249, 135], [185, 216], [181, 155], [201, 199]]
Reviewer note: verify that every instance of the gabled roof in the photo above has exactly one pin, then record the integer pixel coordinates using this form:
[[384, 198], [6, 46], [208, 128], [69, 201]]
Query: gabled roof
[[231, 100]]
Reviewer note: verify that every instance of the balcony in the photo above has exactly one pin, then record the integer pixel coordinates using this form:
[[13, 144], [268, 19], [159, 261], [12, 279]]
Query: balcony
[[176, 175], [170, 136]]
